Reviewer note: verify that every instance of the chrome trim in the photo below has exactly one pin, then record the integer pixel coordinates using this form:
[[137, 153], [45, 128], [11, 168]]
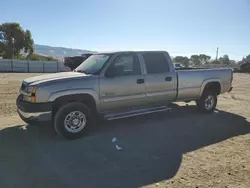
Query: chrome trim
[[75, 121], [113, 98], [40, 116], [160, 93]]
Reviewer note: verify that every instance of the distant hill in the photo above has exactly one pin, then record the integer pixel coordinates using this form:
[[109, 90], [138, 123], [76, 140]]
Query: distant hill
[[58, 52]]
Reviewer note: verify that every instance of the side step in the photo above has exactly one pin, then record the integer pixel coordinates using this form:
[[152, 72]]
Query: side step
[[136, 112]]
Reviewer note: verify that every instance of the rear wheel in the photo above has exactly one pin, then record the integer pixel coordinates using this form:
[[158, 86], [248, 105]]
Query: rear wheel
[[71, 120], [208, 101]]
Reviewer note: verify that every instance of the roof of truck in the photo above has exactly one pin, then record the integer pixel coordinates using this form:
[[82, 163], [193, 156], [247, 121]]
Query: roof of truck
[[113, 52]]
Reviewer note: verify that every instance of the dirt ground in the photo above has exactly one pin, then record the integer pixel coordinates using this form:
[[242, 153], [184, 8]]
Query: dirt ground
[[182, 148]]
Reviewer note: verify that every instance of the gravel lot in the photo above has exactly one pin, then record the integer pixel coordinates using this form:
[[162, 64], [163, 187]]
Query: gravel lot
[[182, 148]]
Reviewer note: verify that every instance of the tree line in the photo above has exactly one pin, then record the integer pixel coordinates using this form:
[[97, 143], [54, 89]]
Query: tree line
[[202, 59], [17, 43]]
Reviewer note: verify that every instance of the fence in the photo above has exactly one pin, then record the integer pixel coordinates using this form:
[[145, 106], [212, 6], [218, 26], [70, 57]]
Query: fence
[[218, 66], [7, 65]]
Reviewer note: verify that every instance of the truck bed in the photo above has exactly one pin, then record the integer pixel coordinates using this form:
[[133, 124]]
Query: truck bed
[[190, 81]]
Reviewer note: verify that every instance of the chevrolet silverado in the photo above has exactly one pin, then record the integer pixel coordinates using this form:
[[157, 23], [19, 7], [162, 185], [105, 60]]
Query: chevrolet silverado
[[117, 85]]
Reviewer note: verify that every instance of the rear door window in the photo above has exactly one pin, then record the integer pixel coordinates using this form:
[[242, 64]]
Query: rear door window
[[155, 62]]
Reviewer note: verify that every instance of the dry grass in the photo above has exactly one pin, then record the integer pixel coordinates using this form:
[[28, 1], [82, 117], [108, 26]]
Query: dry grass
[[183, 148]]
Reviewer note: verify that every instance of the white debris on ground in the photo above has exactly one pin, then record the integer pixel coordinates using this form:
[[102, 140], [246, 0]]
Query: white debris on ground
[[118, 147], [23, 127]]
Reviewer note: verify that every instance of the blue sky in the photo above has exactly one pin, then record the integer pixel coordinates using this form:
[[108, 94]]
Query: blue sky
[[182, 27]]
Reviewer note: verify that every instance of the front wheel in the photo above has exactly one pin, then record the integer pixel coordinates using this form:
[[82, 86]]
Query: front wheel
[[208, 101], [71, 120]]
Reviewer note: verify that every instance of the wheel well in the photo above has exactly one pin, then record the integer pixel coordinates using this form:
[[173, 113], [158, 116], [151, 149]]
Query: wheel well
[[213, 86], [87, 99]]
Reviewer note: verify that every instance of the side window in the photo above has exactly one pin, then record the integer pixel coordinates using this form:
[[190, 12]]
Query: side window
[[125, 65], [155, 62]]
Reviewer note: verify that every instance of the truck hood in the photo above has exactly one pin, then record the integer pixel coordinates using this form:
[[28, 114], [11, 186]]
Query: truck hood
[[53, 77]]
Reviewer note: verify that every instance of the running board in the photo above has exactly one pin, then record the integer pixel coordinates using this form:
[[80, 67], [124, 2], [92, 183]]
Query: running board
[[136, 112]]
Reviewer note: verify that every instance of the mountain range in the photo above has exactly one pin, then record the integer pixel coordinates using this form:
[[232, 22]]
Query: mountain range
[[58, 52]]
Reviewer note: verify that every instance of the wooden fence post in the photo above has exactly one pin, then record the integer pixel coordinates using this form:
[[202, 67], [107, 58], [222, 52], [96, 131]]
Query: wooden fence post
[[28, 66], [11, 64]]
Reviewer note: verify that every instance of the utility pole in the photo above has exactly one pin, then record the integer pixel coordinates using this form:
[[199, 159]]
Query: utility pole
[[13, 52], [217, 51]]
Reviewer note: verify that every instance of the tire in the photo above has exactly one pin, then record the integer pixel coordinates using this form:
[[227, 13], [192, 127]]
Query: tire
[[71, 120], [208, 101]]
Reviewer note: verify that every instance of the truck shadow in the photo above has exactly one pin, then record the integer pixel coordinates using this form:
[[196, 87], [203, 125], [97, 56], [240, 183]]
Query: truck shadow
[[152, 150]]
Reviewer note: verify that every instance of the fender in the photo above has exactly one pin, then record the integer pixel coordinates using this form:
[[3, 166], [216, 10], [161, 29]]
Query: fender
[[205, 82], [61, 93]]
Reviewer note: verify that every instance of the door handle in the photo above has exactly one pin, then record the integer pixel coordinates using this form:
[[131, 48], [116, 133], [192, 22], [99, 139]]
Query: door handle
[[168, 79], [140, 81]]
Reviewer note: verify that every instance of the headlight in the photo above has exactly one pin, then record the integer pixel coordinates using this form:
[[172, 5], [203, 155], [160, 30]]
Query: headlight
[[31, 89], [29, 98], [31, 94]]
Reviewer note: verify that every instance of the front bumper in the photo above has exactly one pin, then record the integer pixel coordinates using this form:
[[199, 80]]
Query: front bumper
[[41, 112], [36, 116]]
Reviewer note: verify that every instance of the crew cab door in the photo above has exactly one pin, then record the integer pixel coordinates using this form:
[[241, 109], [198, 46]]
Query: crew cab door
[[123, 85], [161, 79]]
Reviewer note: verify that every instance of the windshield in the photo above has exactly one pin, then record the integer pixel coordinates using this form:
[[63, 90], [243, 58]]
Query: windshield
[[93, 64]]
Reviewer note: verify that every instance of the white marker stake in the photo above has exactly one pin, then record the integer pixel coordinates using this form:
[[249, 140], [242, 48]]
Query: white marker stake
[[114, 139], [118, 147]]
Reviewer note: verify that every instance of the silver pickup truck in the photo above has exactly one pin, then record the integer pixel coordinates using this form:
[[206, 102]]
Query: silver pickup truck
[[117, 85]]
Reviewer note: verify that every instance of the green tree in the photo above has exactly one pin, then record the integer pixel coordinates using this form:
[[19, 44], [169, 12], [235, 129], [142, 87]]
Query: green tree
[[215, 62], [195, 59], [28, 43], [245, 60], [248, 58], [225, 60], [198, 60], [233, 62], [183, 60], [16, 40], [204, 58], [36, 57]]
